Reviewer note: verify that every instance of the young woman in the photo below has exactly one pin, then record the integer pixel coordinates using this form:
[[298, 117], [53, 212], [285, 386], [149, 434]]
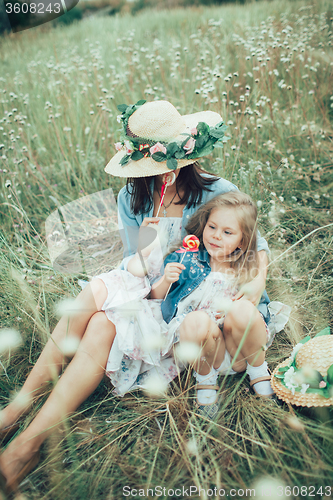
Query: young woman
[[156, 139]]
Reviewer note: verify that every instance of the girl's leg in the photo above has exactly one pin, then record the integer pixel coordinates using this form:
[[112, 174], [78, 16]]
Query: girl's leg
[[79, 380], [197, 327], [244, 317], [51, 360]]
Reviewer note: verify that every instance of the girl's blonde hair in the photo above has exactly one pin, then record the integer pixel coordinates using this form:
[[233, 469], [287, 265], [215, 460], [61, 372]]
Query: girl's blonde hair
[[244, 260]]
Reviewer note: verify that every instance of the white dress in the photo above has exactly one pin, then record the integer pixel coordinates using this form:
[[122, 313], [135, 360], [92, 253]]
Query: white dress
[[143, 344], [143, 339]]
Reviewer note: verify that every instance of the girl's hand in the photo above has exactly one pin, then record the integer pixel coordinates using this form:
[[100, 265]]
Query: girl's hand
[[252, 290], [172, 271]]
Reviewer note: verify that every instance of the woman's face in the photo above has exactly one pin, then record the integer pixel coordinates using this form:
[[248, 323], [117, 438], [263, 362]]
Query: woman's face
[[222, 234]]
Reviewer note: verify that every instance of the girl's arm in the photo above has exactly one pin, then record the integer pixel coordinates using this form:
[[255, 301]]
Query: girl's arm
[[171, 275]]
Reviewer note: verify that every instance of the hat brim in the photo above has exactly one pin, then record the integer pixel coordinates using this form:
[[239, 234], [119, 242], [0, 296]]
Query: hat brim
[[297, 399], [147, 167]]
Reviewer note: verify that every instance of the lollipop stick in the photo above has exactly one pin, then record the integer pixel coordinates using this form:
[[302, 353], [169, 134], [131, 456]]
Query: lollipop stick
[[163, 190], [168, 290]]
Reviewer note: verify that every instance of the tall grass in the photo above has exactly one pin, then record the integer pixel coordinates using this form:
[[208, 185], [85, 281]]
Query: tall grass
[[267, 68]]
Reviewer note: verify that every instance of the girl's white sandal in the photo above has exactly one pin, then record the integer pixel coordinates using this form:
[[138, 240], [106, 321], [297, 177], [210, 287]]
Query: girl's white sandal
[[261, 379], [208, 410]]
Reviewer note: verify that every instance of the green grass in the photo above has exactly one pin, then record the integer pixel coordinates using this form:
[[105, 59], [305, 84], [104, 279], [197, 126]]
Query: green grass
[[59, 89]]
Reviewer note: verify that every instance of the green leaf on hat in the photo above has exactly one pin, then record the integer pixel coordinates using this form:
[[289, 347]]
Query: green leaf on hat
[[139, 103], [203, 128], [218, 145], [218, 133], [124, 160], [283, 369], [206, 150], [305, 339], [330, 375], [172, 148], [180, 154], [201, 141], [172, 163], [326, 331], [137, 155], [122, 107], [158, 156]]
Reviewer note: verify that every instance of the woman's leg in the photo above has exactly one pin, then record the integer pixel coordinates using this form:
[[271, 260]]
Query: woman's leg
[[51, 360], [79, 380]]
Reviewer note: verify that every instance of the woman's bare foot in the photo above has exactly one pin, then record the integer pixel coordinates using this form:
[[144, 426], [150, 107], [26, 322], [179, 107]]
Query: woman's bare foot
[[11, 414], [16, 458]]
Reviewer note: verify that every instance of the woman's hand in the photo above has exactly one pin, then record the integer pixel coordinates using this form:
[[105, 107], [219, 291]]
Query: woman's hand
[[252, 290], [172, 272], [150, 220]]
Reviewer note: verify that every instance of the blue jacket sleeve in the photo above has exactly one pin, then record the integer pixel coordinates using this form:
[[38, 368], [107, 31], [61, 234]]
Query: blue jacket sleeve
[[127, 223]]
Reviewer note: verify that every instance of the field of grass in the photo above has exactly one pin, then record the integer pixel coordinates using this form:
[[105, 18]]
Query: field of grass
[[267, 67]]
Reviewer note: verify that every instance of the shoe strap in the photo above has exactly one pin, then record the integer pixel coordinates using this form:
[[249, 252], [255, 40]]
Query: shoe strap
[[205, 386], [260, 379]]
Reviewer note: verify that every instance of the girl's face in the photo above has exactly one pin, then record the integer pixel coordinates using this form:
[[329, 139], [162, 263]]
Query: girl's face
[[222, 234]]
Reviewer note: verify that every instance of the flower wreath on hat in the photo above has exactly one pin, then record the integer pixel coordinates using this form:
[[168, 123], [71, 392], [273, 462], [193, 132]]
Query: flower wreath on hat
[[305, 380], [200, 142]]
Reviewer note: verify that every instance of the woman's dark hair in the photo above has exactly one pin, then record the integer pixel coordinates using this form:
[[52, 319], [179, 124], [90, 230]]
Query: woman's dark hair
[[189, 179]]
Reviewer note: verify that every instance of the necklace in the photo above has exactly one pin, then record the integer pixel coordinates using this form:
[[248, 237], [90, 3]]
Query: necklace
[[169, 204]]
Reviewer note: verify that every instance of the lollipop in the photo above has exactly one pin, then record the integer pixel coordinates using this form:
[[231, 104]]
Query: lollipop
[[190, 244], [168, 180]]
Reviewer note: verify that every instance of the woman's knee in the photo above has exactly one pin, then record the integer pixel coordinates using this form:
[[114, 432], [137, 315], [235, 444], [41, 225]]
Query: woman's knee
[[195, 327], [100, 326], [94, 295]]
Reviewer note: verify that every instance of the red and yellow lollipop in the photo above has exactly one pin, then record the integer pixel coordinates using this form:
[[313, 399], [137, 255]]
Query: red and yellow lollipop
[[190, 244]]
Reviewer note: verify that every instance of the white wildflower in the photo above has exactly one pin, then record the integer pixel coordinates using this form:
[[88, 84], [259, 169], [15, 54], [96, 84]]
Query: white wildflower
[[295, 351], [304, 388], [155, 385], [270, 487], [69, 307], [192, 447], [187, 352], [69, 345], [152, 342], [9, 339]]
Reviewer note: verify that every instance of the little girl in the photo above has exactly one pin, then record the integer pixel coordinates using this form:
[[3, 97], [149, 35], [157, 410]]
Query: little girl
[[227, 259]]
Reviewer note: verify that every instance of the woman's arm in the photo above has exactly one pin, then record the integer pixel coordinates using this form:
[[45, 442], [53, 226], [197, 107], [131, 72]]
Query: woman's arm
[[253, 290]]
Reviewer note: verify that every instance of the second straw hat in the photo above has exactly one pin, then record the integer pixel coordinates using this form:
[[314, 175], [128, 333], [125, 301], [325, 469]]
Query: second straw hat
[[157, 138]]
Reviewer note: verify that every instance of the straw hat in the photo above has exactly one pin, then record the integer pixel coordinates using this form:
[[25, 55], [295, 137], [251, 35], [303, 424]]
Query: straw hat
[[316, 355], [157, 127]]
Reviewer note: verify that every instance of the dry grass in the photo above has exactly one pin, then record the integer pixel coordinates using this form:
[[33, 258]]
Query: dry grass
[[267, 68]]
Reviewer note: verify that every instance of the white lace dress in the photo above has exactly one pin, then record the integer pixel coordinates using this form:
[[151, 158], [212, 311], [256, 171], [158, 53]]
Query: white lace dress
[[143, 344], [143, 339]]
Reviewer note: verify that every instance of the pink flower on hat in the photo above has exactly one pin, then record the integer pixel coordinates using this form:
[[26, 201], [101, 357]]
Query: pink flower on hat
[[322, 384], [189, 146], [194, 131], [118, 146], [157, 147], [129, 147]]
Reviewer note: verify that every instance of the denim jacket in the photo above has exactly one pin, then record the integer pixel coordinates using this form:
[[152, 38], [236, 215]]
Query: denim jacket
[[197, 268], [129, 223]]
